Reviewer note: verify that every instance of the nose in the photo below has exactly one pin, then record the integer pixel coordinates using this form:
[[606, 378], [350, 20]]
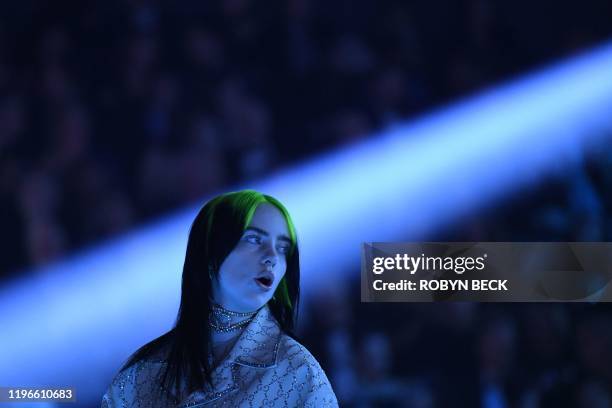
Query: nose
[[269, 260], [269, 263], [270, 257]]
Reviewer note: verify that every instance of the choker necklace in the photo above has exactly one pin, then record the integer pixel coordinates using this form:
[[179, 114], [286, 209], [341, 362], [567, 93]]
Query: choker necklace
[[220, 319]]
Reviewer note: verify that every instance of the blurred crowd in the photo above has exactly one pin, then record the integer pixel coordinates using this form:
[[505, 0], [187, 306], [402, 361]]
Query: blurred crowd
[[114, 112], [487, 355], [424, 355]]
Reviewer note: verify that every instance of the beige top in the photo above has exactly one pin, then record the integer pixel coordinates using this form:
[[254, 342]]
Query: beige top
[[264, 368]]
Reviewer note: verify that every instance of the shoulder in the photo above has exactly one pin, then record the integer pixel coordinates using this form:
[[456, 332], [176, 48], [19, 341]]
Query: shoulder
[[295, 355], [124, 390], [136, 385], [296, 362]]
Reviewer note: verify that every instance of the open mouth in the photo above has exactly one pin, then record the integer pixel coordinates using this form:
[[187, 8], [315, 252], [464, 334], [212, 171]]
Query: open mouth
[[264, 281]]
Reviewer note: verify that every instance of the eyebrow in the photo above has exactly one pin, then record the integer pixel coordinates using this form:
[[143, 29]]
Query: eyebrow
[[264, 232]]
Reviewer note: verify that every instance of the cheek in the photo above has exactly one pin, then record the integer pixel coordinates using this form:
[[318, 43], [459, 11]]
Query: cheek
[[231, 269], [282, 269]]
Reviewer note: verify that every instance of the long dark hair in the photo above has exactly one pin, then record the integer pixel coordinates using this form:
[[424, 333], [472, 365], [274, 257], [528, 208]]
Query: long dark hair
[[214, 233]]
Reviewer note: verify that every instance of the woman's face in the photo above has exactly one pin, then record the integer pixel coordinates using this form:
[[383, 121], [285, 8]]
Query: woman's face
[[250, 274]]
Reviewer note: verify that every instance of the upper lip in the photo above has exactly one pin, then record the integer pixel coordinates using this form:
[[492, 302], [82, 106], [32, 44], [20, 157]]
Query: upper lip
[[266, 274]]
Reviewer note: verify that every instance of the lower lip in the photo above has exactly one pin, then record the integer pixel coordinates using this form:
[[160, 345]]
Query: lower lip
[[261, 285]]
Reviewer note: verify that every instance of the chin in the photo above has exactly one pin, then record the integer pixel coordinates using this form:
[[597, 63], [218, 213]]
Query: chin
[[262, 302], [255, 304]]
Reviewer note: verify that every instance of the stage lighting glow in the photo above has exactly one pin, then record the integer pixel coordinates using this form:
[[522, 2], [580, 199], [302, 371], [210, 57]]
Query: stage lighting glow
[[73, 323]]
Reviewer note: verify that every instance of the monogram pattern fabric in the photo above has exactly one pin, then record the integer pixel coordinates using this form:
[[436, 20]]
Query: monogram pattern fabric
[[265, 368]]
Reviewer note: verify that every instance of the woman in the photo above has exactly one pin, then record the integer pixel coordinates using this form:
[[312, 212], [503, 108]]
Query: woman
[[232, 344]]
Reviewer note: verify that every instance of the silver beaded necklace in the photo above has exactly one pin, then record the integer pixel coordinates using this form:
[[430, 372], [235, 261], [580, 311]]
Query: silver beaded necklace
[[220, 319]]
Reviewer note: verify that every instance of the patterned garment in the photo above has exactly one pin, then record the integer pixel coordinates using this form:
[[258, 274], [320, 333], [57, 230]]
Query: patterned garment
[[265, 368]]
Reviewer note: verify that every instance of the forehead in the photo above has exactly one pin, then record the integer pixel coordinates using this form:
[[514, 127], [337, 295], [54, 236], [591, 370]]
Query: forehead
[[269, 218]]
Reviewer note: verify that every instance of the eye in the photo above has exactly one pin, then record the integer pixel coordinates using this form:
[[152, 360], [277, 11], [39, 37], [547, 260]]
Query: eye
[[253, 239], [284, 249]]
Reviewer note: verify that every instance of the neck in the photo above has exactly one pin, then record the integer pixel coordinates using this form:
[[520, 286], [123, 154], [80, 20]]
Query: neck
[[222, 320], [225, 328]]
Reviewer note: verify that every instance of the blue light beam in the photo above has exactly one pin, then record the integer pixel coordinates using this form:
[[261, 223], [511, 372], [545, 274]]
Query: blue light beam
[[73, 323]]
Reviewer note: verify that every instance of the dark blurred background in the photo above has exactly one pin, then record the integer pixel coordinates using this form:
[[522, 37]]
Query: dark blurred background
[[114, 113]]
